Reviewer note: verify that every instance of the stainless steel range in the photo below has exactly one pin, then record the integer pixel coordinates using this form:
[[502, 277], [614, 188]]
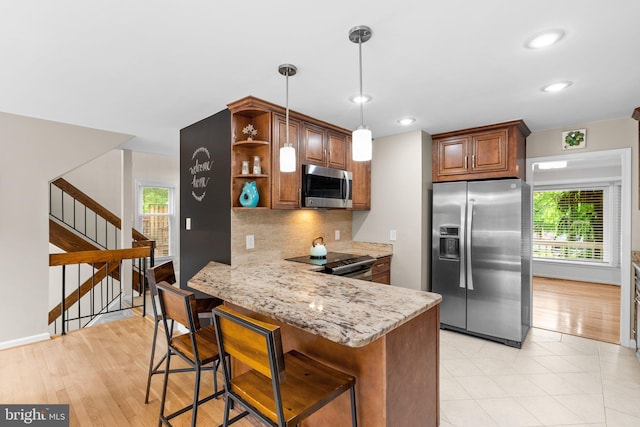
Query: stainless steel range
[[341, 264]]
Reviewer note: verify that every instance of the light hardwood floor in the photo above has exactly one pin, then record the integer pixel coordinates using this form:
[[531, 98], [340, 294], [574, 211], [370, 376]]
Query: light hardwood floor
[[101, 372], [589, 310]]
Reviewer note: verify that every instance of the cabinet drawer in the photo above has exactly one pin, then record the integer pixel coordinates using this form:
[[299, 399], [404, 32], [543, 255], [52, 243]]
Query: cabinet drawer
[[381, 265], [384, 278]]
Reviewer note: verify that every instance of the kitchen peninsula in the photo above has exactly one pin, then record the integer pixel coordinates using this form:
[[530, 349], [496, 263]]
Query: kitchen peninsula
[[387, 337]]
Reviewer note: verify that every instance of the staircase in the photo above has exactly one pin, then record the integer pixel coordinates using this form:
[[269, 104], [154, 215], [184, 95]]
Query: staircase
[[88, 275]]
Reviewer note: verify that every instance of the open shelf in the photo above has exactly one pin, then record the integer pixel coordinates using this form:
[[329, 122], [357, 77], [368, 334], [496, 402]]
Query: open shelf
[[250, 143], [244, 150]]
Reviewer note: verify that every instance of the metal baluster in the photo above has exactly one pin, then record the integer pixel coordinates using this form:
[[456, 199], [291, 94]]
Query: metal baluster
[[79, 314], [64, 278], [120, 286], [108, 287], [101, 286], [144, 287], [92, 292]]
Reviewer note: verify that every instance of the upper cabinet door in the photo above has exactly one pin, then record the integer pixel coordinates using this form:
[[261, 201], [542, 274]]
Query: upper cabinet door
[[452, 156], [313, 142], [490, 152], [337, 143], [285, 186], [361, 188]]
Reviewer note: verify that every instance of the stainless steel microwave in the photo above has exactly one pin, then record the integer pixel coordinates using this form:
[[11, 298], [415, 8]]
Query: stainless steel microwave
[[326, 187]]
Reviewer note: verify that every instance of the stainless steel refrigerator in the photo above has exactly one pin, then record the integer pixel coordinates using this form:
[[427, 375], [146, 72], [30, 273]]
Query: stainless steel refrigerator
[[481, 257]]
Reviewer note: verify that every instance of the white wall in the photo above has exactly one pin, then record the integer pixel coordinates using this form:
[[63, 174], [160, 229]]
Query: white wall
[[400, 179], [34, 152]]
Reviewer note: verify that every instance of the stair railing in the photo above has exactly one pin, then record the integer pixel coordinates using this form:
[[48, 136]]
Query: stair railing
[[97, 288], [86, 216]]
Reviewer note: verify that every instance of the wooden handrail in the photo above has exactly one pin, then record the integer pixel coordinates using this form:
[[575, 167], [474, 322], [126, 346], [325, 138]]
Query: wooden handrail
[[105, 213], [144, 243], [97, 258], [92, 257]]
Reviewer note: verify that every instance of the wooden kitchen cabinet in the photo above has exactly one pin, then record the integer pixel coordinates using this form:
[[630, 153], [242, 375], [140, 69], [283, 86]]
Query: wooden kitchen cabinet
[[316, 142], [285, 186], [323, 147], [495, 151], [381, 270], [338, 147], [361, 181], [313, 145]]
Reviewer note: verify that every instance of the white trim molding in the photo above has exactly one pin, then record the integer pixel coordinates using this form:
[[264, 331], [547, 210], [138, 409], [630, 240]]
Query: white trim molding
[[25, 340]]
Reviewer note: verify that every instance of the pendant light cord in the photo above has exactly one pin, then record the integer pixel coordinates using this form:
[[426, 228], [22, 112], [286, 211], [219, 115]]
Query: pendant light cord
[[361, 98], [287, 111]]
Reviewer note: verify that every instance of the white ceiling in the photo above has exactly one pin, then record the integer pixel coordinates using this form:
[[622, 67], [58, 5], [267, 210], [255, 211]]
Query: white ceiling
[[150, 68]]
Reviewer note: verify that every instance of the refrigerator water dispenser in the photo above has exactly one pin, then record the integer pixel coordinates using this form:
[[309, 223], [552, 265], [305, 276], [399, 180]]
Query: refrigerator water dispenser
[[449, 242]]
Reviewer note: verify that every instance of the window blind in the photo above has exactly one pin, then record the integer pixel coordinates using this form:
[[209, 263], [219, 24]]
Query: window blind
[[571, 224]]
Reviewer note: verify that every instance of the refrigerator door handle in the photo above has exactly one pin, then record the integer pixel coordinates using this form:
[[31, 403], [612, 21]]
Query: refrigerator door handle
[[463, 267], [467, 243]]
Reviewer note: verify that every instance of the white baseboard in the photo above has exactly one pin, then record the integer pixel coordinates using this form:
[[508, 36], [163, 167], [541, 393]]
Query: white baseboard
[[25, 340]]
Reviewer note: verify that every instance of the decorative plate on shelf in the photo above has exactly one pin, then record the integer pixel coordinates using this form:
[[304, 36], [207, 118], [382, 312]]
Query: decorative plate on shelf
[[574, 139]]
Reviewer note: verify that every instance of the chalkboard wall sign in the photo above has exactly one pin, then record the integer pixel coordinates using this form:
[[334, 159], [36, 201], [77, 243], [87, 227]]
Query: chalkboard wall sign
[[200, 170]]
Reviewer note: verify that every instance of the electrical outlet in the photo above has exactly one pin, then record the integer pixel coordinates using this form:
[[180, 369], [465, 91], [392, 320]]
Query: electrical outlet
[[337, 234], [392, 235], [250, 241], [187, 223]]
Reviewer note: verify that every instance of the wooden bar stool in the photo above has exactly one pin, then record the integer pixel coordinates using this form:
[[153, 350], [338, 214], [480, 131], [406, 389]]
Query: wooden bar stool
[[196, 347], [165, 273], [280, 389]]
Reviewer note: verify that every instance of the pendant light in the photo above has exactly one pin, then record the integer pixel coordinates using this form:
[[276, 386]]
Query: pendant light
[[287, 152], [361, 140]]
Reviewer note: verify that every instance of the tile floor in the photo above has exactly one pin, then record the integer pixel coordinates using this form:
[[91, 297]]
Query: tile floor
[[554, 380]]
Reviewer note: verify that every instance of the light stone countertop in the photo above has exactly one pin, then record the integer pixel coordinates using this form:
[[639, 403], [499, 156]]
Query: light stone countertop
[[346, 311]]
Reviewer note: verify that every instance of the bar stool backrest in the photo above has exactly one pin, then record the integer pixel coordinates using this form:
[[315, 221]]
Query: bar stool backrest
[[255, 343], [178, 305], [160, 273]]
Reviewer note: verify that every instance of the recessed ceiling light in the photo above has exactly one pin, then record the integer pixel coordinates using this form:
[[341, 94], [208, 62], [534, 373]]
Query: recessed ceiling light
[[406, 121], [555, 87], [358, 99], [544, 39]]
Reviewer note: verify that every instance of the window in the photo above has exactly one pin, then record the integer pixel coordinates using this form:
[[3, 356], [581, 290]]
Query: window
[[156, 217], [576, 224]]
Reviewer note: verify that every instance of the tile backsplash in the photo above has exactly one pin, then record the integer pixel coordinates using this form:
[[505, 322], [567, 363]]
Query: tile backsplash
[[280, 234]]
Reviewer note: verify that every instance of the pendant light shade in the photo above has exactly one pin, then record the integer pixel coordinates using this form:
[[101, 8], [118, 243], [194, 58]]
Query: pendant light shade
[[361, 139], [288, 159], [361, 144]]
